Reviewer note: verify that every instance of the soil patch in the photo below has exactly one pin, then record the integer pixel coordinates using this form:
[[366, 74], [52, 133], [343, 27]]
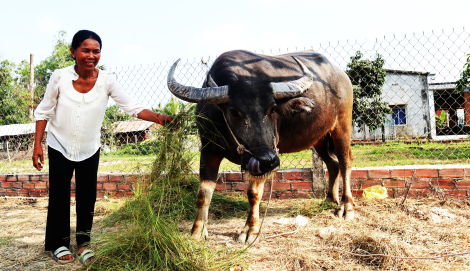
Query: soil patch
[[380, 226]]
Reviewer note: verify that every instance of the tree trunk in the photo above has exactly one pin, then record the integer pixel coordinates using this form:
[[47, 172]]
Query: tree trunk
[[31, 86]]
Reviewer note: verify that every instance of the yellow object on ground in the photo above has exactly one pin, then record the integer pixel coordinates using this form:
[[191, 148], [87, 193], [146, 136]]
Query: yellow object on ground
[[375, 192]]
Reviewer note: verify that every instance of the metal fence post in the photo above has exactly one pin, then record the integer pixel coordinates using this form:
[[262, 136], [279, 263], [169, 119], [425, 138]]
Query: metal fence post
[[319, 183]]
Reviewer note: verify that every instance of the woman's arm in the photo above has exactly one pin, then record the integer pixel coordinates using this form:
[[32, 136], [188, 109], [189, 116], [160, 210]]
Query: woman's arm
[[43, 113], [154, 117], [46, 108], [37, 149]]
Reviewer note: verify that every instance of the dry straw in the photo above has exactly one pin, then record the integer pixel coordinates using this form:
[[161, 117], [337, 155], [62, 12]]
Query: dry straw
[[148, 237]]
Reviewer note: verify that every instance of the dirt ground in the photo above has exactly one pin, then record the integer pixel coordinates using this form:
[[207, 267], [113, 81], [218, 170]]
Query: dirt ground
[[419, 228], [22, 229]]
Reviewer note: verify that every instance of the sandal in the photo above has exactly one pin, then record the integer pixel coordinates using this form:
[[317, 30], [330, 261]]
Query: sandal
[[85, 255], [61, 252]]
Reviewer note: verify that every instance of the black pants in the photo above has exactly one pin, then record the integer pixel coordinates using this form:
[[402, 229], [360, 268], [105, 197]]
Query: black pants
[[58, 212]]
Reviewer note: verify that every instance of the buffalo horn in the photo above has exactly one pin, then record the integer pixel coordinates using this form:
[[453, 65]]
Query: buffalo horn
[[209, 95], [210, 81], [293, 88]]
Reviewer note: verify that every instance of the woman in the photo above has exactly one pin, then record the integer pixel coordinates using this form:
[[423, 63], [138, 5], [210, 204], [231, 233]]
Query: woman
[[74, 103]]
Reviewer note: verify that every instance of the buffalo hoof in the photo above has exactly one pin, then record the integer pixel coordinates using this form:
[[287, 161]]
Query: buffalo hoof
[[199, 234], [345, 210], [248, 238]]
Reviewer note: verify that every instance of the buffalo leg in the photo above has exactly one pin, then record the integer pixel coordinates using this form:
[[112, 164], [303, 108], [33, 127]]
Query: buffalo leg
[[342, 143], [323, 149], [209, 168], [251, 229]]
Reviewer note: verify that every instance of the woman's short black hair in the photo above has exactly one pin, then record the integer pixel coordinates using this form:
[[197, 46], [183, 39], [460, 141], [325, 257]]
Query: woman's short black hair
[[82, 35]]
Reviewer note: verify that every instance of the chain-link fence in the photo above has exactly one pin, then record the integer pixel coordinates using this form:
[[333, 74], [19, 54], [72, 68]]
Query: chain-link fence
[[407, 107]]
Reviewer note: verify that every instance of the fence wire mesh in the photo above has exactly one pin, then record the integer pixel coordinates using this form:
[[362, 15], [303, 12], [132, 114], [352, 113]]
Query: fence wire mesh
[[413, 115]]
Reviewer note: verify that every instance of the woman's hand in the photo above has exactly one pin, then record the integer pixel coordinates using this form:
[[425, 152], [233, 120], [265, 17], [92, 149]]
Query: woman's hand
[[37, 150], [164, 119], [38, 155], [155, 117]]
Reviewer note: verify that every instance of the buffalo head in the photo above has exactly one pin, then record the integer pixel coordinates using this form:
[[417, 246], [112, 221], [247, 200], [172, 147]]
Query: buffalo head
[[249, 108]]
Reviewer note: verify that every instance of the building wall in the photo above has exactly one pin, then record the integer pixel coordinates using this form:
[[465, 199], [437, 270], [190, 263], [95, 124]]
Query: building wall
[[408, 90]]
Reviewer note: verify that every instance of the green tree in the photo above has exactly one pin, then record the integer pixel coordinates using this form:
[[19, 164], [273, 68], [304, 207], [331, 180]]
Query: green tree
[[6, 78], [367, 78], [464, 81], [15, 98], [14, 95]]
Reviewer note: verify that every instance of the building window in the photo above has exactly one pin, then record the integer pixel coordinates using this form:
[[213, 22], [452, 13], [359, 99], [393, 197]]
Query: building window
[[460, 117], [399, 115]]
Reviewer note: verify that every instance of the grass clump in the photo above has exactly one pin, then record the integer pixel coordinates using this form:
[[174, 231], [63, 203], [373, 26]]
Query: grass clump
[[310, 207], [147, 235], [228, 205]]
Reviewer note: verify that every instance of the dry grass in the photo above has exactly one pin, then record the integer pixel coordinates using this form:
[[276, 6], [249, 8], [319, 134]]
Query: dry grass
[[22, 229], [381, 226]]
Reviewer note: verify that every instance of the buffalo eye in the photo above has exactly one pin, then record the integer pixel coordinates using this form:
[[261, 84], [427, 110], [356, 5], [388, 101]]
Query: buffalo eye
[[272, 110], [234, 112]]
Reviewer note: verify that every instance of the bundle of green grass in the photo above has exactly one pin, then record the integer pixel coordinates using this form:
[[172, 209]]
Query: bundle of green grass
[[147, 236]]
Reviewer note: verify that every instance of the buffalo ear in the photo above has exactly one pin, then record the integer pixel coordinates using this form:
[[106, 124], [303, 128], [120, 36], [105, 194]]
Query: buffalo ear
[[295, 106], [282, 107]]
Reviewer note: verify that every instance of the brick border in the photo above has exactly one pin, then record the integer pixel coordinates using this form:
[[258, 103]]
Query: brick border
[[37, 185], [291, 183]]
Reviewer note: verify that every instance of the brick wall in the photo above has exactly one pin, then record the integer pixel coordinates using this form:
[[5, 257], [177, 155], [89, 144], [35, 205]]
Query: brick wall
[[293, 183], [37, 185]]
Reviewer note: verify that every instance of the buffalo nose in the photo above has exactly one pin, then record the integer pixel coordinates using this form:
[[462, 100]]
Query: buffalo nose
[[268, 161]]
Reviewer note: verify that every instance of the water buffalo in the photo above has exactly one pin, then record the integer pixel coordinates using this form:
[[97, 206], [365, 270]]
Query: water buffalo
[[261, 104]]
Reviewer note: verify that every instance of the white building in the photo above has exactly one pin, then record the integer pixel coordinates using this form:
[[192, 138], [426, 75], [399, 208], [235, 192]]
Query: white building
[[408, 94]]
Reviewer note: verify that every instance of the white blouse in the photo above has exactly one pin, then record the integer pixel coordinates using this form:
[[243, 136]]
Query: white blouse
[[76, 118]]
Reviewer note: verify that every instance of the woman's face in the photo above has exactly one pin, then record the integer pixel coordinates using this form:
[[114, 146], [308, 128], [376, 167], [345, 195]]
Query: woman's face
[[87, 54]]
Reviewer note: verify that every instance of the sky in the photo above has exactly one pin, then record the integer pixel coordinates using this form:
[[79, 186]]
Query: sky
[[144, 32]]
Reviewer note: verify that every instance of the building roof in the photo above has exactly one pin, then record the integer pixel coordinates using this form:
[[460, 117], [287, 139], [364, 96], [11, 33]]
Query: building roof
[[132, 126], [444, 86], [18, 129], [439, 86], [406, 72]]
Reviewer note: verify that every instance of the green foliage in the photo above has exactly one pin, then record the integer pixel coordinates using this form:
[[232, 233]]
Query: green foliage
[[311, 207], [146, 147], [174, 107], [367, 78], [463, 82], [228, 206], [14, 94], [440, 120], [398, 154], [6, 79]]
